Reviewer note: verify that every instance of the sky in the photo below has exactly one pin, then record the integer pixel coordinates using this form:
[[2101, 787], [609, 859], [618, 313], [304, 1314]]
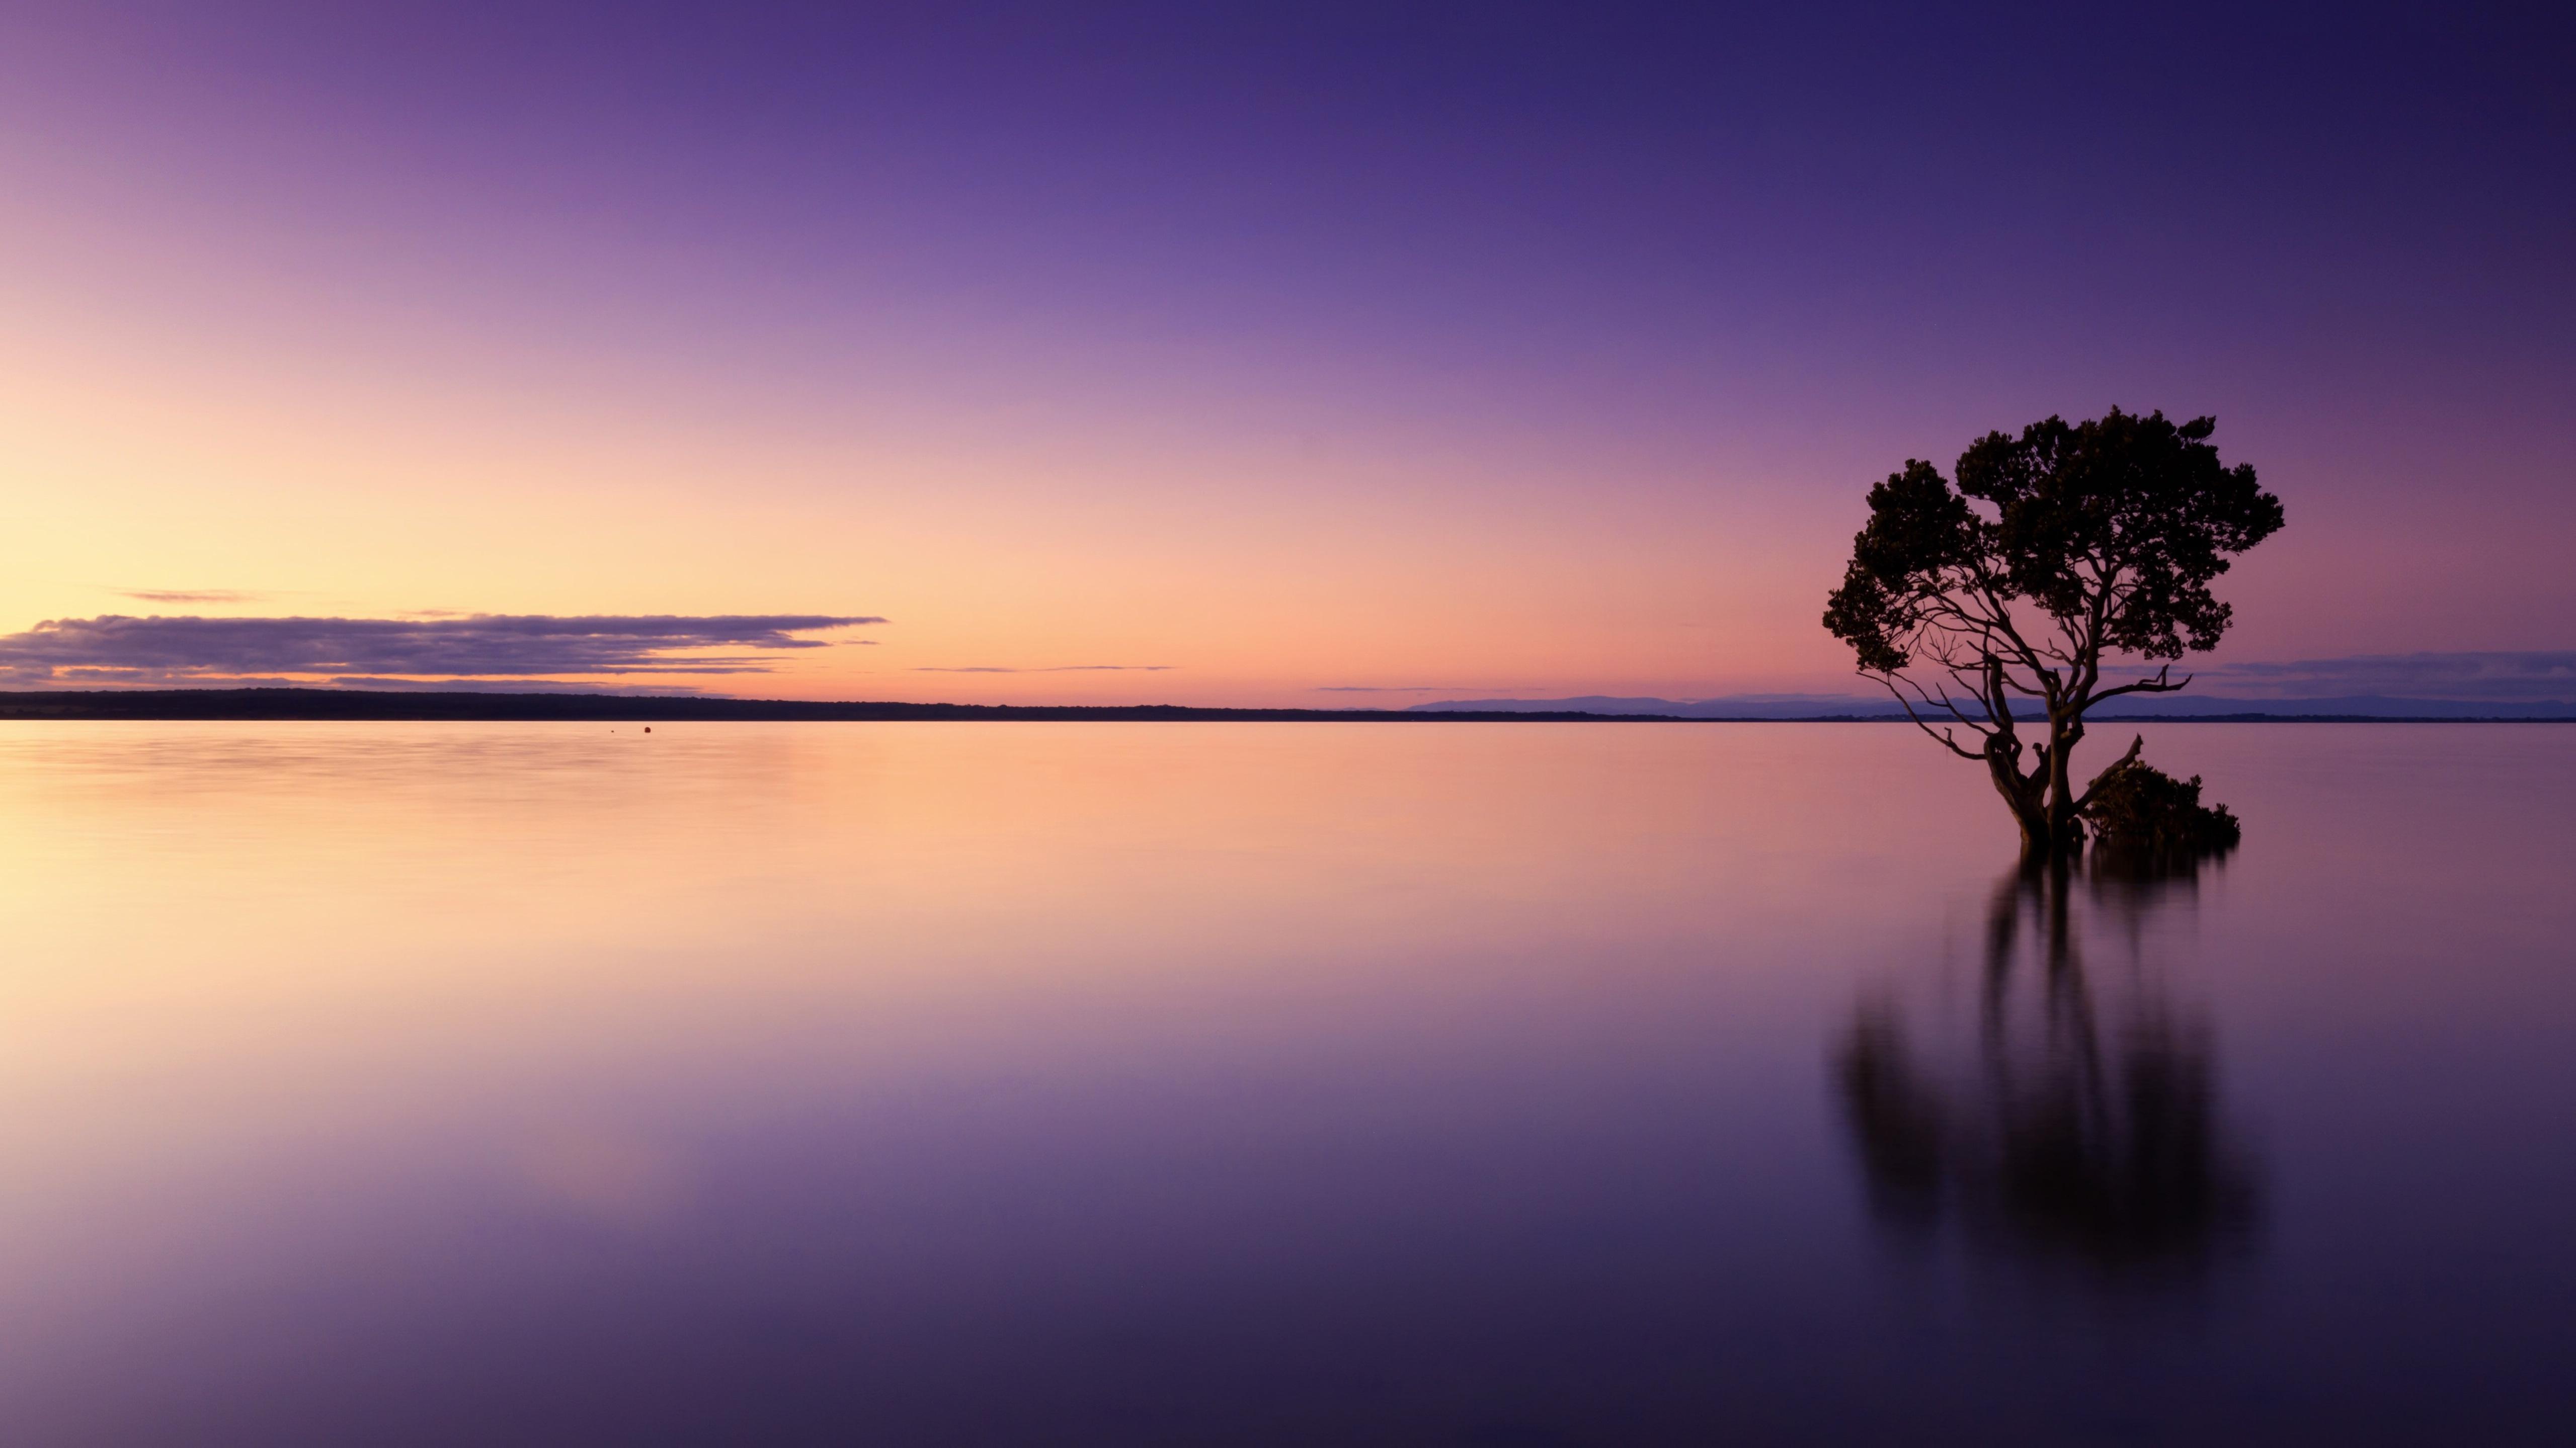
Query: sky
[[1328, 355]]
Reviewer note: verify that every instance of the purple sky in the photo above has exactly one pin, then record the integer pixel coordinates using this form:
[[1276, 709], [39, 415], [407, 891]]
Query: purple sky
[[1282, 348]]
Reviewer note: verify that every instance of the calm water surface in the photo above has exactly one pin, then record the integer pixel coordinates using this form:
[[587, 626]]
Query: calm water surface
[[1170, 1083]]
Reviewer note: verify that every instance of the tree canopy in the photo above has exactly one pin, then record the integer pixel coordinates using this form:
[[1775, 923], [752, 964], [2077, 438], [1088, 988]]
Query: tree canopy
[[2050, 550]]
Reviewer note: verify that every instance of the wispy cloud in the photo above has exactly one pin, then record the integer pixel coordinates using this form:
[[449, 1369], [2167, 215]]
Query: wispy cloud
[[198, 596], [2529, 676], [1055, 669], [193, 650], [1406, 688], [513, 686], [1733, 706]]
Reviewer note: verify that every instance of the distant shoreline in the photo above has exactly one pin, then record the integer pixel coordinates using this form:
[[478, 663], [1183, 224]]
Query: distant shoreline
[[471, 707]]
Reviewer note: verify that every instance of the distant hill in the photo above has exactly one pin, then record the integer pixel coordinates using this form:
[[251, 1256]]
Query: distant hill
[[462, 705], [2132, 706], [424, 705], [1739, 706]]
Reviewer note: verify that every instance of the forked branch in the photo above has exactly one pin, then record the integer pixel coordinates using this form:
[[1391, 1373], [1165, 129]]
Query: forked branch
[[2156, 685]]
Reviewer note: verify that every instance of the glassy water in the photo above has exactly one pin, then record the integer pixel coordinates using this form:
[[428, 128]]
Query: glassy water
[[1236, 1083]]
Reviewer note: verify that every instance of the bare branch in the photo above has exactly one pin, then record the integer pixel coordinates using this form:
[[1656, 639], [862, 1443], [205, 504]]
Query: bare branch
[[2028, 657], [1931, 700], [2156, 685], [2032, 689], [2123, 762], [1942, 736]]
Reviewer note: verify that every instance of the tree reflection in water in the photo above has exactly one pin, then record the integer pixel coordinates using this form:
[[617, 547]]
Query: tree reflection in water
[[2079, 1127]]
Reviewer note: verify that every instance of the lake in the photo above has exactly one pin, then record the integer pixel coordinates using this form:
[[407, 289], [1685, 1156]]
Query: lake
[[1232, 1083]]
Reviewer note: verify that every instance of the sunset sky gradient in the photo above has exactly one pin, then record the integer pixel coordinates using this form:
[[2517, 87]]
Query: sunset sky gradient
[[1254, 355]]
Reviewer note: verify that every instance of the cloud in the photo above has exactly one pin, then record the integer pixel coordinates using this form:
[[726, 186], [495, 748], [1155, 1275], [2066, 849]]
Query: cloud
[[2530, 676], [192, 650], [190, 595], [1733, 706], [1056, 669], [508, 686], [1401, 688]]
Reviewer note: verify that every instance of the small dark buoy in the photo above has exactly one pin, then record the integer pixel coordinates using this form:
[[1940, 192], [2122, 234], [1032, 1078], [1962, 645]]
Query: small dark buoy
[[648, 728]]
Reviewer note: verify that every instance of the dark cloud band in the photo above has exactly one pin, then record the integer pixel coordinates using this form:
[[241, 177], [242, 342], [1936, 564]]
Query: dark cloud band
[[118, 649], [2527, 676]]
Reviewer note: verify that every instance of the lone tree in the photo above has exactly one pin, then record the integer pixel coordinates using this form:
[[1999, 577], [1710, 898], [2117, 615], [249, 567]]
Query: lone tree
[[2053, 549]]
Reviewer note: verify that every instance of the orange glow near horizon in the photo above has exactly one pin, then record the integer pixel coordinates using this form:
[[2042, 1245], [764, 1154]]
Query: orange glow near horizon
[[377, 500], [1259, 426]]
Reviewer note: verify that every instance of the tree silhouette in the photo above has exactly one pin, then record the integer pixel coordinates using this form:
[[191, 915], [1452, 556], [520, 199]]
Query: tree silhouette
[[2053, 549]]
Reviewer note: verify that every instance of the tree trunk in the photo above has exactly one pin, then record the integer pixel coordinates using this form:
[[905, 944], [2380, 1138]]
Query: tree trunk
[[2043, 801], [2037, 843], [2025, 795], [2065, 835]]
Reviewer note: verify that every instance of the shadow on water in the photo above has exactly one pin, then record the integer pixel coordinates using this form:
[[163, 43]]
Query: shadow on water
[[2073, 1126]]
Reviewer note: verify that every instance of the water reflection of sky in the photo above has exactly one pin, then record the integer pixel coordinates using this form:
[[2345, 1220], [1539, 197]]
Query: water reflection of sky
[[1244, 1083]]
